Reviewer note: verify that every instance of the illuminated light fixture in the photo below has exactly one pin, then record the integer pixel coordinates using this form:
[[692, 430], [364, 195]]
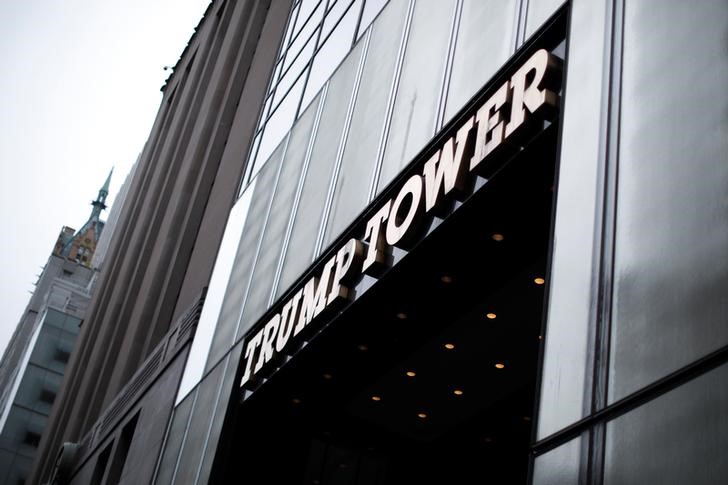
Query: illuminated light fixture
[[539, 281], [327, 376], [421, 415], [402, 316], [527, 418], [376, 398], [446, 279], [410, 373], [540, 337], [295, 400], [449, 346], [500, 366], [497, 237], [458, 392], [491, 316], [362, 347]]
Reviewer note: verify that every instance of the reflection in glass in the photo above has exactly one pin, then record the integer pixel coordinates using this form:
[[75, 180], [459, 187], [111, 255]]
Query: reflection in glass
[[256, 302], [671, 241], [237, 288], [302, 242], [195, 365], [679, 438], [559, 466], [331, 52]]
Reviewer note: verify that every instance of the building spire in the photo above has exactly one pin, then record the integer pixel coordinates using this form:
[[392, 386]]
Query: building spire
[[100, 202]]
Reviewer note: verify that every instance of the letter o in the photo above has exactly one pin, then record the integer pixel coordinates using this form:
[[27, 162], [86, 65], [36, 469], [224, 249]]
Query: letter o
[[397, 227]]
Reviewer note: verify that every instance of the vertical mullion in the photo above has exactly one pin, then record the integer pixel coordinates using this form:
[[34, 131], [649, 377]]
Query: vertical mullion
[[274, 189], [297, 199], [340, 149], [602, 343], [307, 67], [270, 90], [392, 98], [446, 75]]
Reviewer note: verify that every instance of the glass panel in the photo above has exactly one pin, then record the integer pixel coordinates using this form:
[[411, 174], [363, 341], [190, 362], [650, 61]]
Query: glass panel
[[306, 33], [678, 438], [195, 365], [331, 53], [290, 28], [484, 43], [38, 389], [173, 443], [308, 6], [571, 310], [323, 155], [371, 9], [191, 454], [229, 390], [240, 277], [672, 225], [275, 230], [337, 9], [538, 12], [559, 466], [19, 470], [357, 166], [418, 95], [294, 73], [279, 124]]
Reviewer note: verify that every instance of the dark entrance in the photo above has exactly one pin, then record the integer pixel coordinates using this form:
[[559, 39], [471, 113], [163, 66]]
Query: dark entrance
[[430, 376]]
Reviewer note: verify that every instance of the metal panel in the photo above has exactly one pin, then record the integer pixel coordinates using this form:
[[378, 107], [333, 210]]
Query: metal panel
[[261, 284], [538, 12], [577, 232], [678, 438], [670, 304], [360, 155], [559, 466], [484, 43], [414, 117], [245, 258], [300, 251]]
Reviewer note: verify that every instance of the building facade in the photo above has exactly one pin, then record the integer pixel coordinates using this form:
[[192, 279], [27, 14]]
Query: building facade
[[418, 241], [33, 365]]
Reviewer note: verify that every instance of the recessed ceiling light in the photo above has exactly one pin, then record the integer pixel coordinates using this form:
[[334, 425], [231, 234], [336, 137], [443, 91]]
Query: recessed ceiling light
[[362, 347], [327, 376], [446, 279], [295, 400], [410, 373], [490, 316], [458, 392], [376, 398], [539, 281], [500, 366], [421, 415], [449, 346], [527, 418], [497, 237], [402, 315]]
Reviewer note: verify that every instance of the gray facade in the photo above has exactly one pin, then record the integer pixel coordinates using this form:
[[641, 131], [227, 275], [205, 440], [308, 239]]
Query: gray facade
[[627, 384]]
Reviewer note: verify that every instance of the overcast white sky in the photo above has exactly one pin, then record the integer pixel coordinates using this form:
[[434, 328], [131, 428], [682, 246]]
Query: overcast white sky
[[79, 90]]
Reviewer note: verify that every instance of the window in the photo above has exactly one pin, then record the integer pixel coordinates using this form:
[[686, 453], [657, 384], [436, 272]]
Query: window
[[31, 438], [320, 33], [62, 355], [47, 396]]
